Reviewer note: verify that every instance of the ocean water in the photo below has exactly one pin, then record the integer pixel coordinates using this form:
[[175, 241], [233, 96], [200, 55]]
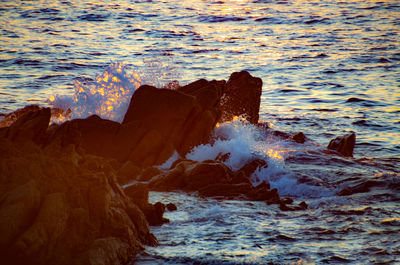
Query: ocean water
[[328, 68]]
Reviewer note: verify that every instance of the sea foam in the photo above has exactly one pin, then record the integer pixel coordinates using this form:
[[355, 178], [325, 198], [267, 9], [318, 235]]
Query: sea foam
[[246, 142]]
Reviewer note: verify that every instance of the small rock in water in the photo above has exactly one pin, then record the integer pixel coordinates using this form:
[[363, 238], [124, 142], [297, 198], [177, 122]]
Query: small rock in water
[[343, 144], [171, 207], [298, 137]]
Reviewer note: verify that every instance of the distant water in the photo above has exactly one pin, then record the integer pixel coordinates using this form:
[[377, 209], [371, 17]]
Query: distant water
[[328, 68]]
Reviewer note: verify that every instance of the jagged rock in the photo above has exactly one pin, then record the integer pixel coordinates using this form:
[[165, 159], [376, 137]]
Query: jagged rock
[[343, 144], [10, 118], [206, 173], [128, 172], [148, 173], [139, 192], [57, 203], [169, 120], [17, 210], [31, 126], [242, 97]]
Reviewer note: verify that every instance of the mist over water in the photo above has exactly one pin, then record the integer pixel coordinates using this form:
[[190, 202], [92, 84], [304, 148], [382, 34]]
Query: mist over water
[[328, 68]]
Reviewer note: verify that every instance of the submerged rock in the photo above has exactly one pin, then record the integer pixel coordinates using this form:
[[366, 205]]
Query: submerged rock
[[343, 144]]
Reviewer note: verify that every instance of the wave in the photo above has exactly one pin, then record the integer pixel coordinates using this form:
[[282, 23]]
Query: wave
[[109, 94]]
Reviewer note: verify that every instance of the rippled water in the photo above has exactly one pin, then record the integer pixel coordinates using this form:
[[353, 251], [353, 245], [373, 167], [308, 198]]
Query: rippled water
[[328, 67]]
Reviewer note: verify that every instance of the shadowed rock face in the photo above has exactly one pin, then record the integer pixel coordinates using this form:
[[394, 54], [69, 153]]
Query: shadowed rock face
[[242, 97], [59, 205]]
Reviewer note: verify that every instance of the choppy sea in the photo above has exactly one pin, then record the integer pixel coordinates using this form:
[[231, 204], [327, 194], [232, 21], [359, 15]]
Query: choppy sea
[[328, 68]]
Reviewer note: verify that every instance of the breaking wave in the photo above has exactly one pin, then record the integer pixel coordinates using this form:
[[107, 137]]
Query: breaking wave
[[109, 94]]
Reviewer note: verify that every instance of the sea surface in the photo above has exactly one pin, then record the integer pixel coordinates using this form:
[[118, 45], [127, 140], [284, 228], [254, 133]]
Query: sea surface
[[328, 68]]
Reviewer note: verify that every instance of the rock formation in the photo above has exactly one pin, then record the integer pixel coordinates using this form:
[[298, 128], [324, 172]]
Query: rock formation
[[61, 201], [343, 144], [59, 205]]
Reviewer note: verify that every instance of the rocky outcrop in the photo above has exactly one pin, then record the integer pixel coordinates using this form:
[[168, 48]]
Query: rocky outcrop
[[343, 144], [242, 97], [170, 120], [61, 205], [214, 179]]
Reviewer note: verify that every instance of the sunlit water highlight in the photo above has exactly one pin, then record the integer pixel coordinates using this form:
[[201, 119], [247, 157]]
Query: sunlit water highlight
[[328, 68]]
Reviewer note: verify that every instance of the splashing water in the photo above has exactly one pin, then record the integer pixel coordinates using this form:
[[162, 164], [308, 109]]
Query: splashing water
[[109, 94], [243, 141]]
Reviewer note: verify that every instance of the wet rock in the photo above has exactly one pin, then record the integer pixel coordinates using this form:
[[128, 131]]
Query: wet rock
[[270, 196], [154, 214], [171, 207], [148, 173], [343, 144], [242, 97], [206, 173], [287, 201], [180, 119], [128, 172], [31, 126], [8, 119], [138, 192], [57, 203], [94, 134], [226, 190], [302, 206], [298, 137], [252, 166], [223, 157]]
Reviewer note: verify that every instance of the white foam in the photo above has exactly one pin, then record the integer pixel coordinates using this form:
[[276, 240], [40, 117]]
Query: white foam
[[246, 142], [242, 140]]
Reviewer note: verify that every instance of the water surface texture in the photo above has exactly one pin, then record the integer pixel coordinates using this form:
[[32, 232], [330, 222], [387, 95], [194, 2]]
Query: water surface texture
[[328, 68]]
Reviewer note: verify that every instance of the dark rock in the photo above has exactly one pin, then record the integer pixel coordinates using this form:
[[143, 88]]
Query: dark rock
[[171, 207], [31, 126], [263, 185], [58, 204], [169, 117], [287, 200], [240, 177], [10, 118], [242, 97], [138, 192], [223, 157], [345, 192], [203, 174], [127, 173], [94, 134], [244, 173], [154, 214], [272, 197], [149, 173], [343, 144], [265, 194], [226, 190], [302, 206], [298, 137]]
